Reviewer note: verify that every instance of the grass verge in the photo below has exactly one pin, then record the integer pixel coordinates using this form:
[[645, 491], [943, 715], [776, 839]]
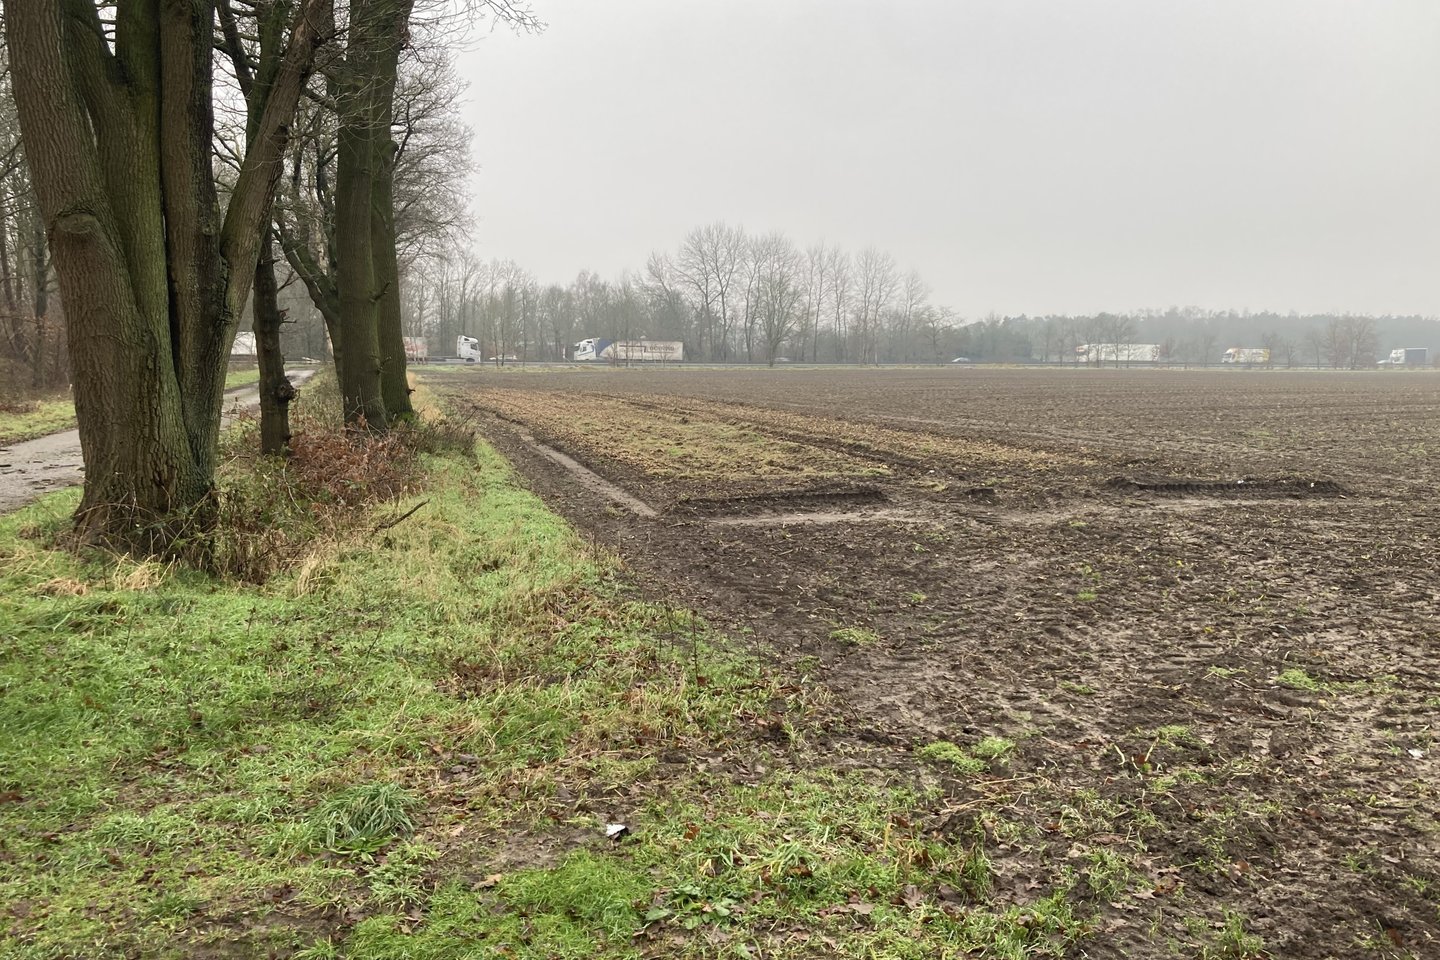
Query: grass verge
[[414, 742], [25, 420], [28, 419]]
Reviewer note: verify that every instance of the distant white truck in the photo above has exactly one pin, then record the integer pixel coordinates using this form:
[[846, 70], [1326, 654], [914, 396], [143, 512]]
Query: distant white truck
[[1246, 355], [468, 349], [594, 349], [1103, 353], [1407, 357]]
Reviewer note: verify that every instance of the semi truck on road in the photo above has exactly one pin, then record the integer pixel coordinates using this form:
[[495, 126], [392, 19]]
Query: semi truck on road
[[1246, 355], [1407, 357], [623, 351], [1103, 353], [468, 349]]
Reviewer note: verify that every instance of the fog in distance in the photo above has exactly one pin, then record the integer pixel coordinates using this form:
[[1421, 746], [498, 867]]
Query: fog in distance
[[1031, 156]]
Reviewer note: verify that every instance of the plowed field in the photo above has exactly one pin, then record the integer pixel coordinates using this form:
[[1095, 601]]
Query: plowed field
[[1204, 607]]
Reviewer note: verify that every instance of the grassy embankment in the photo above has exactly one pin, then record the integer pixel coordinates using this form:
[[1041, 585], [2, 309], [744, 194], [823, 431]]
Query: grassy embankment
[[409, 743], [51, 414]]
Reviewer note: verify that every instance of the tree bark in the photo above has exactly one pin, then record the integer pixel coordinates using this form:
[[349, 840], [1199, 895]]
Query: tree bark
[[276, 391], [40, 300], [373, 384], [358, 329], [395, 384], [257, 81]]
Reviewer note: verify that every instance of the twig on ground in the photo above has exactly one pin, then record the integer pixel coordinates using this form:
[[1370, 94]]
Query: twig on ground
[[404, 516]]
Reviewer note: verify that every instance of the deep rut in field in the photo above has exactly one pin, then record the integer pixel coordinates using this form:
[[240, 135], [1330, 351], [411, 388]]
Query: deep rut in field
[[591, 480], [1244, 487]]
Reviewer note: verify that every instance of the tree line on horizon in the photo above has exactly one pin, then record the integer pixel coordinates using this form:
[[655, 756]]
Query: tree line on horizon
[[731, 296]]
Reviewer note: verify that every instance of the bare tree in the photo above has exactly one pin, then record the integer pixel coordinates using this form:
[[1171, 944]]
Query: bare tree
[[557, 319], [1315, 342], [749, 268], [1364, 340], [256, 56], [838, 263], [935, 323], [1287, 350], [668, 303], [414, 221], [779, 290], [1350, 342], [1117, 329], [914, 297], [1206, 338], [30, 331], [709, 263], [817, 288], [876, 280]]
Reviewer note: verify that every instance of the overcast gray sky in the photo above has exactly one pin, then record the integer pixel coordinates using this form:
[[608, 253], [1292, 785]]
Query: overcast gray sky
[[1029, 156]]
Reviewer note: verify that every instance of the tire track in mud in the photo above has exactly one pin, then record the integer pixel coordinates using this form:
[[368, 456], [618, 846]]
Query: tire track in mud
[[591, 480]]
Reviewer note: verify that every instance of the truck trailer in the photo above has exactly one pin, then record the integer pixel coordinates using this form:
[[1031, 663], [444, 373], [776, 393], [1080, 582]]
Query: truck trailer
[[597, 349], [1246, 355], [1103, 353], [1408, 357]]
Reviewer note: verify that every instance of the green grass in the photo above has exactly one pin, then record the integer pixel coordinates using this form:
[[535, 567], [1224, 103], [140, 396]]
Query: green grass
[[37, 419], [1234, 941], [56, 414], [242, 377], [946, 754], [409, 746], [855, 636], [1297, 679]]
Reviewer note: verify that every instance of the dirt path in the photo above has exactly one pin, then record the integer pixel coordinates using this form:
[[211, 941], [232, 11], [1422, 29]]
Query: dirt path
[[32, 468]]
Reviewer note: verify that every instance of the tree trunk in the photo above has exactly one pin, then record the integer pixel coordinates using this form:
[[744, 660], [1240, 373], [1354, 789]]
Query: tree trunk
[[358, 329], [276, 391], [110, 256], [395, 384], [40, 302], [373, 373], [151, 278]]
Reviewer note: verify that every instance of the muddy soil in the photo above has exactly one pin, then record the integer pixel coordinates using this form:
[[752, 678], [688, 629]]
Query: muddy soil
[[1205, 606]]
